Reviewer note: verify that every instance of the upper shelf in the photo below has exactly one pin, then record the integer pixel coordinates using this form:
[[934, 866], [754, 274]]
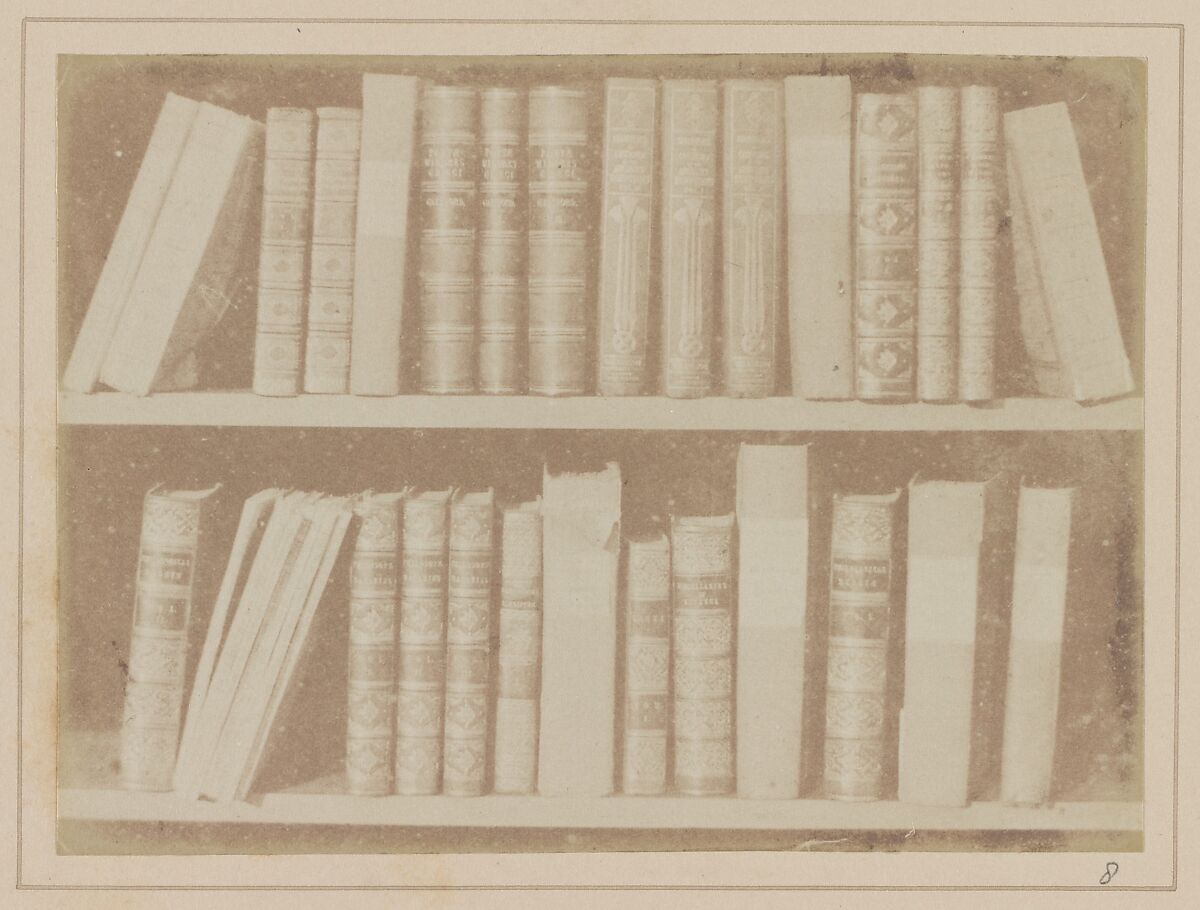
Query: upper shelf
[[244, 409]]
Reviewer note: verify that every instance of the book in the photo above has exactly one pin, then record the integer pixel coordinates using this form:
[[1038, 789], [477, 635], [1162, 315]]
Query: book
[[752, 213], [626, 217], [702, 653], [381, 233], [1049, 371], [885, 283], [959, 542], [371, 673], [267, 567], [421, 645], [519, 661], [169, 573], [861, 604], [1041, 579], [449, 199], [286, 225], [276, 731], [331, 278], [502, 242], [264, 662], [979, 228], [134, 230], [688, 256], [468, 640], [256, 512], [937, 243], [560, 175], [818, 123], [185, 277], [647, 665], [581, 533], [1069, 257], [772, 617]]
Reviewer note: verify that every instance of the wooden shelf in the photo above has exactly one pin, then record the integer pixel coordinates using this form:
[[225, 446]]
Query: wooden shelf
[[244, 409], [615, 812]]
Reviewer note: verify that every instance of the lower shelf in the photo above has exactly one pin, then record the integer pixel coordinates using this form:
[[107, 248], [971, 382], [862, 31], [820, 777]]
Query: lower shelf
[[308, 808]]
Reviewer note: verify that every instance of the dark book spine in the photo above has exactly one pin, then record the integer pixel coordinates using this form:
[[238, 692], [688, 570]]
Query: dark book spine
[[449, 185], [559, 175], [468, 653], [689, 203], [860, 603], [165, 587], [371, 678], [702, 638], [647, 665], [502, 218], [885, 246], [421, 681], [286, 222], [752, 220], [331, 284], [626, 216]]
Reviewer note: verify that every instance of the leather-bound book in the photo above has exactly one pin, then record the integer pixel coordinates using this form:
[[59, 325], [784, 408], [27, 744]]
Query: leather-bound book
[[449, 197]]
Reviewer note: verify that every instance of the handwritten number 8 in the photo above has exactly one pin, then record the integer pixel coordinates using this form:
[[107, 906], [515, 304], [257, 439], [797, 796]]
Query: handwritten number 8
[[1110, 871]]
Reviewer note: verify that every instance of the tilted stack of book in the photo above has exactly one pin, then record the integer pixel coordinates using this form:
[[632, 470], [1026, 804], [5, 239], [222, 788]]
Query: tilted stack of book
[[535, 647], [740, 237]]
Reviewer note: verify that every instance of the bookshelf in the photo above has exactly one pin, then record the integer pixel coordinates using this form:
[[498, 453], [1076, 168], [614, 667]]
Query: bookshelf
[[633, 812], [244, 409], [680, 450]]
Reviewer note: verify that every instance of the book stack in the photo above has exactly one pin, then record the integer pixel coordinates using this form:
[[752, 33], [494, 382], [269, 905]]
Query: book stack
[[512, 650], [646, 251]]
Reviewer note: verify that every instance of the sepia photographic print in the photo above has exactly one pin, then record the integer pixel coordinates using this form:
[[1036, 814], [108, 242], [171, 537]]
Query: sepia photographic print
[[725, 454]]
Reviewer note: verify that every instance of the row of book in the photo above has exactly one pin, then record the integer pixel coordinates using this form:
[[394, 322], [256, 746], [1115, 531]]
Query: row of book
[[515, 650], [747, 238]]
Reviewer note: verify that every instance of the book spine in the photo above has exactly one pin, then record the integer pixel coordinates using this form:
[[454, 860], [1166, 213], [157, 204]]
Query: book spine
[[449, 198], [772, 613], [626, 207], [381, 236], [421, 675], [647, 666], [689, 267], [820, 281], [502, 218], [1050, 373], [331, 270], [885, 246], [937, 243], [752, 229], [468, 653], [142, 208], [286, 221], [702, 642], [580, 555], [1040, 584], [944, 606], [371, 679], [519, 660], [166, 579], [860, 601], [560, 165], [1070, 258], [979, 229]]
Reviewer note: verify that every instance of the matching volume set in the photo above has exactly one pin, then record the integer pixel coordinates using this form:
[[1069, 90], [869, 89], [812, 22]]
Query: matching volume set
[[536, 648], [745, 237]]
